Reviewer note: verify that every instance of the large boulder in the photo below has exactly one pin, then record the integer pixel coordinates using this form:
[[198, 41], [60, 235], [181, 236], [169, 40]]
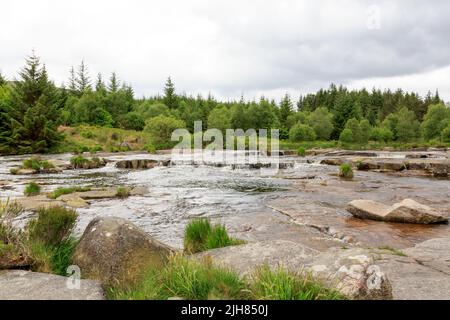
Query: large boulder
[[407, 211], [25, 285], [114, 251], [351, 271]]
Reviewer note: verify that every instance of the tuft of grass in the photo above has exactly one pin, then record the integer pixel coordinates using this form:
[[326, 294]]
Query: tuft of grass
[[61, 256], [393, 250], [52, 227], [301, 151], [32, 189], [200, 235], [78, 161], [62, 191], [36, 164], [346, 171], [280, 284], [122, 192]]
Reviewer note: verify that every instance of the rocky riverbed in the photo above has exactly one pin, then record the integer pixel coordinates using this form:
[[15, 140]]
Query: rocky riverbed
[[303, 204]]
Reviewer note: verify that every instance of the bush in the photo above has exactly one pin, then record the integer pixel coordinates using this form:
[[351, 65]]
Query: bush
[[346, 136], [123, 192], [302, 132], [78, 161], [36, 164], [52, 227], [301, 151], [200, 235], [161, 128], [150, 148], [32, 189], [346, 171], [445, 136]]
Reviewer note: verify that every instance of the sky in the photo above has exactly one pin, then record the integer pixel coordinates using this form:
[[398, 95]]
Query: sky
[[235, 47]]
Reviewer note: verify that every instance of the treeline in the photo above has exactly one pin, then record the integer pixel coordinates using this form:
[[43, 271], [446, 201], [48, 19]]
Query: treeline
[[32, 108]]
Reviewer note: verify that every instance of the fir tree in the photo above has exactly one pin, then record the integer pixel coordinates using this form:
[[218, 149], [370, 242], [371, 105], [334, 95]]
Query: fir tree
[[72, 81], [285, 110], [100, 85], [170, 98], [83, 82]]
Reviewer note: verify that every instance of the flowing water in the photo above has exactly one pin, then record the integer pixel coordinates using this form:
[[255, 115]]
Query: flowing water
[[252, 204]]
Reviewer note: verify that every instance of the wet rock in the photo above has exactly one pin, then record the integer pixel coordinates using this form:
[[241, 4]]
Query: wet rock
[[333, 161], [25, 171], [98, 194], [114, 250], [351, 153], [25, 285], [35, 203], [407, 211], [439, 169], [351, 271], [73, 200], [137, 164], [138, 191]]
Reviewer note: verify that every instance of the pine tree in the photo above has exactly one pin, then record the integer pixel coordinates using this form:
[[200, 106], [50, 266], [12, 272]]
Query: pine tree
[[83, 82], [72, 81], [170, 99], [285, 110], [32, 121], [100, 85], [113, 83]]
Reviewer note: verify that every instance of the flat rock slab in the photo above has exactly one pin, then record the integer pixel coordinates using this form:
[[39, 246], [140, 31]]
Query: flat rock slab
[[25, 285], [407, 211], [434, 253], [37, 202]]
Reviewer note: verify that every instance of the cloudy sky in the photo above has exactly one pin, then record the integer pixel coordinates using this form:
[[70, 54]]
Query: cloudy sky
[[230, 48]]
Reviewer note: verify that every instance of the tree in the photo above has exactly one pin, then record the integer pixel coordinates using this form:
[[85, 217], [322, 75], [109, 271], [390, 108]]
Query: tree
[[435, 121], [90, 109], [322, 122], [73, 82], [219, 118], [445, 136], [285, 111], [114, 83], [302, 132], [161, 128], [132, 121], [346, 136], [354, 126], [365, 130], [149, 109], [100, 85], [31, 120], [407, 126], [170, 98], [83, 82], [381, 134], [2, 80]]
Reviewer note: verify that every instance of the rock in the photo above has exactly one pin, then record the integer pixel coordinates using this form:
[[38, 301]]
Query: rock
[[439, 169], [35, 203], [25, 171], [138, 191], [434, 253], [73, 200], [351, 153], [350, 271], [98, 194], [114, 250], [333, 161], [137, 164], [407, 211], [25, 285]]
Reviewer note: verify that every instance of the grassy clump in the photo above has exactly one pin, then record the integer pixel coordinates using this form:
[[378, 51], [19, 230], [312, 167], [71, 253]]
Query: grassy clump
[[32, 189], [301, 151], [62, 191], [78, 161], [201, 280], [36, 164], [281, 284], [122, 192], [393, 251], [200, 235], [346, 171]]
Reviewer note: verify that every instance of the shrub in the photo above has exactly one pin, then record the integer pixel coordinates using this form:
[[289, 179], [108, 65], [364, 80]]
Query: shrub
[[78, 161], [87, 134], [346, 171], [123, 192], [52, 227], [200, 235], [446, 134], [302, 132], [161, 128], [150, 148], [346, 136], [36, 164], [32, 189], [301, 151]]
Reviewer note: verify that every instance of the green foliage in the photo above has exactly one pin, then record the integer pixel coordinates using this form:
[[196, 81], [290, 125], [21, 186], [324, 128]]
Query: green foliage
[[61, 256], [62, 191], [281, 284], [132, 121], [446, 133], [161, 128], [150, 148], [122, 192], [321, 120], [435, 121], [346, 136], [170, 98], [200, 280], [78, 161], [199, 236], [302, 132], [52, 227], [381, 134], [220, 118], [301, 151], [407, 125], [346, 171], [32, 189]]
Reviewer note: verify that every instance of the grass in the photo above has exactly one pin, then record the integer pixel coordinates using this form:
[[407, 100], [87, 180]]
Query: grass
[[36, 164], [393, 250], [200, 235], [301, 151], [78, 161], [122, 192], [346, 171], [201, 280], [62, 191], [32, 189]]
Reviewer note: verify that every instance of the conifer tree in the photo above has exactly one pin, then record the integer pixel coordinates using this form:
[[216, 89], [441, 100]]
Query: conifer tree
[[100, 85], [72, 81], [170, 99], [114, 83], [285, 110], [2, 79], [83, 82]]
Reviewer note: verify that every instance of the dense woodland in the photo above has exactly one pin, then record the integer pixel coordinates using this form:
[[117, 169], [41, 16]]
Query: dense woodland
[[32, 108]]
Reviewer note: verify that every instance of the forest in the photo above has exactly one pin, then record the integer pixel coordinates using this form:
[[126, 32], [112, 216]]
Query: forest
[[33, 108]]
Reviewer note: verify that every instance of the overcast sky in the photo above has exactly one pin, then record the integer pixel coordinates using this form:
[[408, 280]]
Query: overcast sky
[[231, 48]]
